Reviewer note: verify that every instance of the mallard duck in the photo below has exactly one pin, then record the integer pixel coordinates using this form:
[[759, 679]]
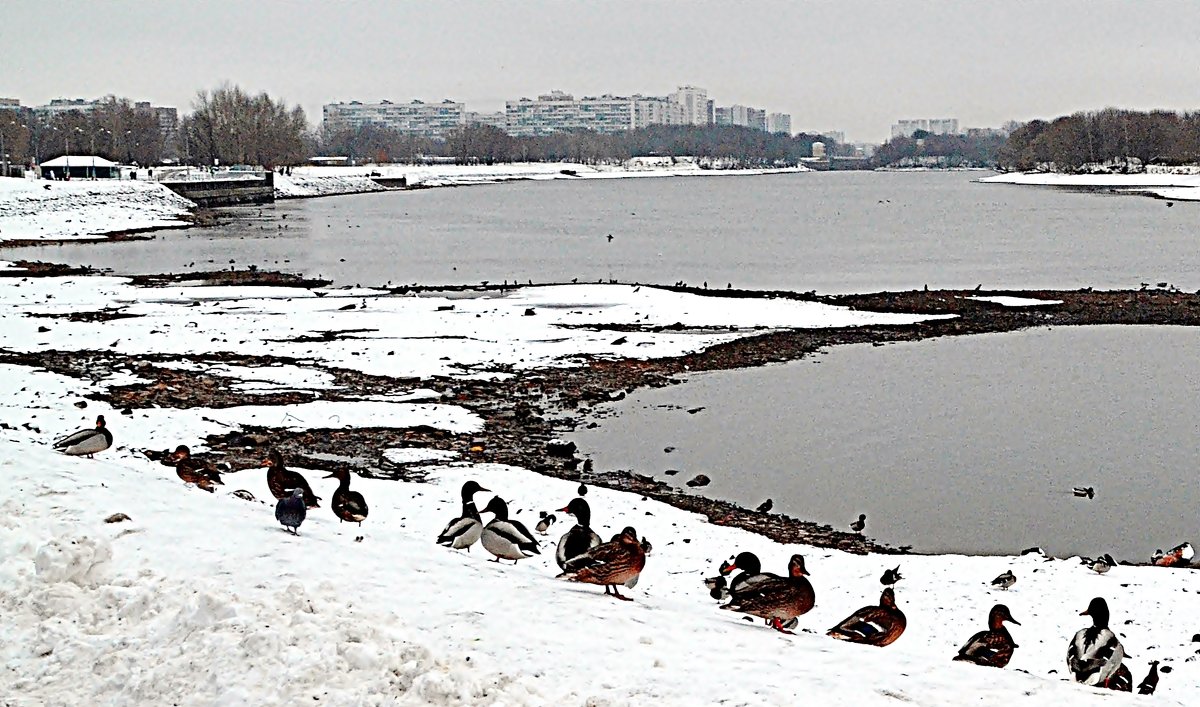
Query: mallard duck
[[619, 561], [1095, 653], [281, 480], [720, 588], [88, 441], [994, 647], [1121, 681], [580, 538], [873, 625], [1150, 682], [774, 598], [465, 530], [504, 538], [194, 471], [859, 525], [1005, 581], [890, 577], [545, 521], [347, 505], [290, 510]]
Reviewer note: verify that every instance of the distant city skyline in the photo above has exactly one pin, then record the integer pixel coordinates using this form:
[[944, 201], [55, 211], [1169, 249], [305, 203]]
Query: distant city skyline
[[853, 66]]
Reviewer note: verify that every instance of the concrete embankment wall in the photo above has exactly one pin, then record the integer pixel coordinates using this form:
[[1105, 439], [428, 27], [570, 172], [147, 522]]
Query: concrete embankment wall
[[226, 192]]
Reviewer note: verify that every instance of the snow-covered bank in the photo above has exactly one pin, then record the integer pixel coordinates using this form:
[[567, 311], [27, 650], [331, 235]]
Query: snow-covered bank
[[45, 210], [1167, 185], [324, 181], [201, 599]]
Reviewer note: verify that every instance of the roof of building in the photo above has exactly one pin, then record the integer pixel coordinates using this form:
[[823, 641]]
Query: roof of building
[[79, 161]]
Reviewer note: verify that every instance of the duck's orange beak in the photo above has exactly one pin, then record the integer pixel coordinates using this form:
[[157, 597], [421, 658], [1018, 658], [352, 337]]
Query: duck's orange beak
[[265, 462], [563, 510]]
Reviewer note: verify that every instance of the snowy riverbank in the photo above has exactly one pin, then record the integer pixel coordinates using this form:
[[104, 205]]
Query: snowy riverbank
[[201, 599], [45, 210], [326, 181], [1164, 184]]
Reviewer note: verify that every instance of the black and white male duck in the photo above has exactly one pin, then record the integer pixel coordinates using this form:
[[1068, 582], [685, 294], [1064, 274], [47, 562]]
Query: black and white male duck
[[465, 530], [619, 561], [194, 471], [721, 589], [281, 480], [88, 441], [993, 647], [349, 506], [580, 538], [1095, 653], [507, 539], [776, 599], [873, 625]]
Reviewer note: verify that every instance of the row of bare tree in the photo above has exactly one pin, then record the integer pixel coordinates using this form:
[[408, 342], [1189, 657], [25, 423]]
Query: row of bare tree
[[729, 145], [1121, 139], [114, 129]]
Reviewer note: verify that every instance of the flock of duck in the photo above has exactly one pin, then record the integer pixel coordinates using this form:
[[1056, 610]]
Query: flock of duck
[[1095, 655]]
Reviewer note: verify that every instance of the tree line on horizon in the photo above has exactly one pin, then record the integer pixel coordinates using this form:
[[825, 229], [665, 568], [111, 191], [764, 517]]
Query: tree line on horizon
[[230, 126]]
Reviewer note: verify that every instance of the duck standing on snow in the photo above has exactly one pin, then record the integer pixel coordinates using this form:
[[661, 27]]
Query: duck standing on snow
[[193, 471], [774, 598], [282, 480], [89, 440], [504, 538], [580, 538], [1103, 564], [465, 530], [993, 647], [1095, 654], [720, 588], [547, 520], [1150, 683], [873, 625], [348, 506], [619, 561], [1005, 581], [890, 577], [290, 510]]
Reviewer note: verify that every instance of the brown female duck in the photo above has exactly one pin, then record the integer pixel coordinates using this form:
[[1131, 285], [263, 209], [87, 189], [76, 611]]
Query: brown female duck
[[282, 480], [194, 471], [774, 598], [349, 506], [873, 625], [993, 647], [619, 561]]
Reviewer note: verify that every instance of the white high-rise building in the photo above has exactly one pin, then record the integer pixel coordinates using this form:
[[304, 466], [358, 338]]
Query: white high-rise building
[[557, 111], [934, 126], [694, 104], [779, 123], [414, 118]]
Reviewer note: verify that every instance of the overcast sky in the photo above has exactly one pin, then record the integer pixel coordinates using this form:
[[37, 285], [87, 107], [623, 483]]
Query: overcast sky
[[848, 65]]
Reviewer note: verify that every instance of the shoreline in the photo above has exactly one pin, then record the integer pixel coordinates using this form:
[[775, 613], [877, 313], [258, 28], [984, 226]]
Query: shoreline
[[525, 412]]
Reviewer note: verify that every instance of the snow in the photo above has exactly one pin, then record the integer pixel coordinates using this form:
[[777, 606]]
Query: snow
[[402, 335], [1053, 179], [1008, 301], [37, 209], [201, 599], [79, 160], [325, 180]]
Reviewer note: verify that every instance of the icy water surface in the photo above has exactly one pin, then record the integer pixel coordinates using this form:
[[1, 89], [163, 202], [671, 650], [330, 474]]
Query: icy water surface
[[830, 232], [967, 444]]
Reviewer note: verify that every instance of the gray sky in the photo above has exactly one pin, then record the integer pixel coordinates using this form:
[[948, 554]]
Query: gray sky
[[851, 65]]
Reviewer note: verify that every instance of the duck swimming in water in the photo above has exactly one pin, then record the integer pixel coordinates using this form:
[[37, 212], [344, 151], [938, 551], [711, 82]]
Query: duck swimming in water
[[507, 539], [465, 530], [993, 647], [873, 625], [281, 480], [348, 506], [580, 538], [619, 561], [1095, 654], [774, 598], [88, 441]]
